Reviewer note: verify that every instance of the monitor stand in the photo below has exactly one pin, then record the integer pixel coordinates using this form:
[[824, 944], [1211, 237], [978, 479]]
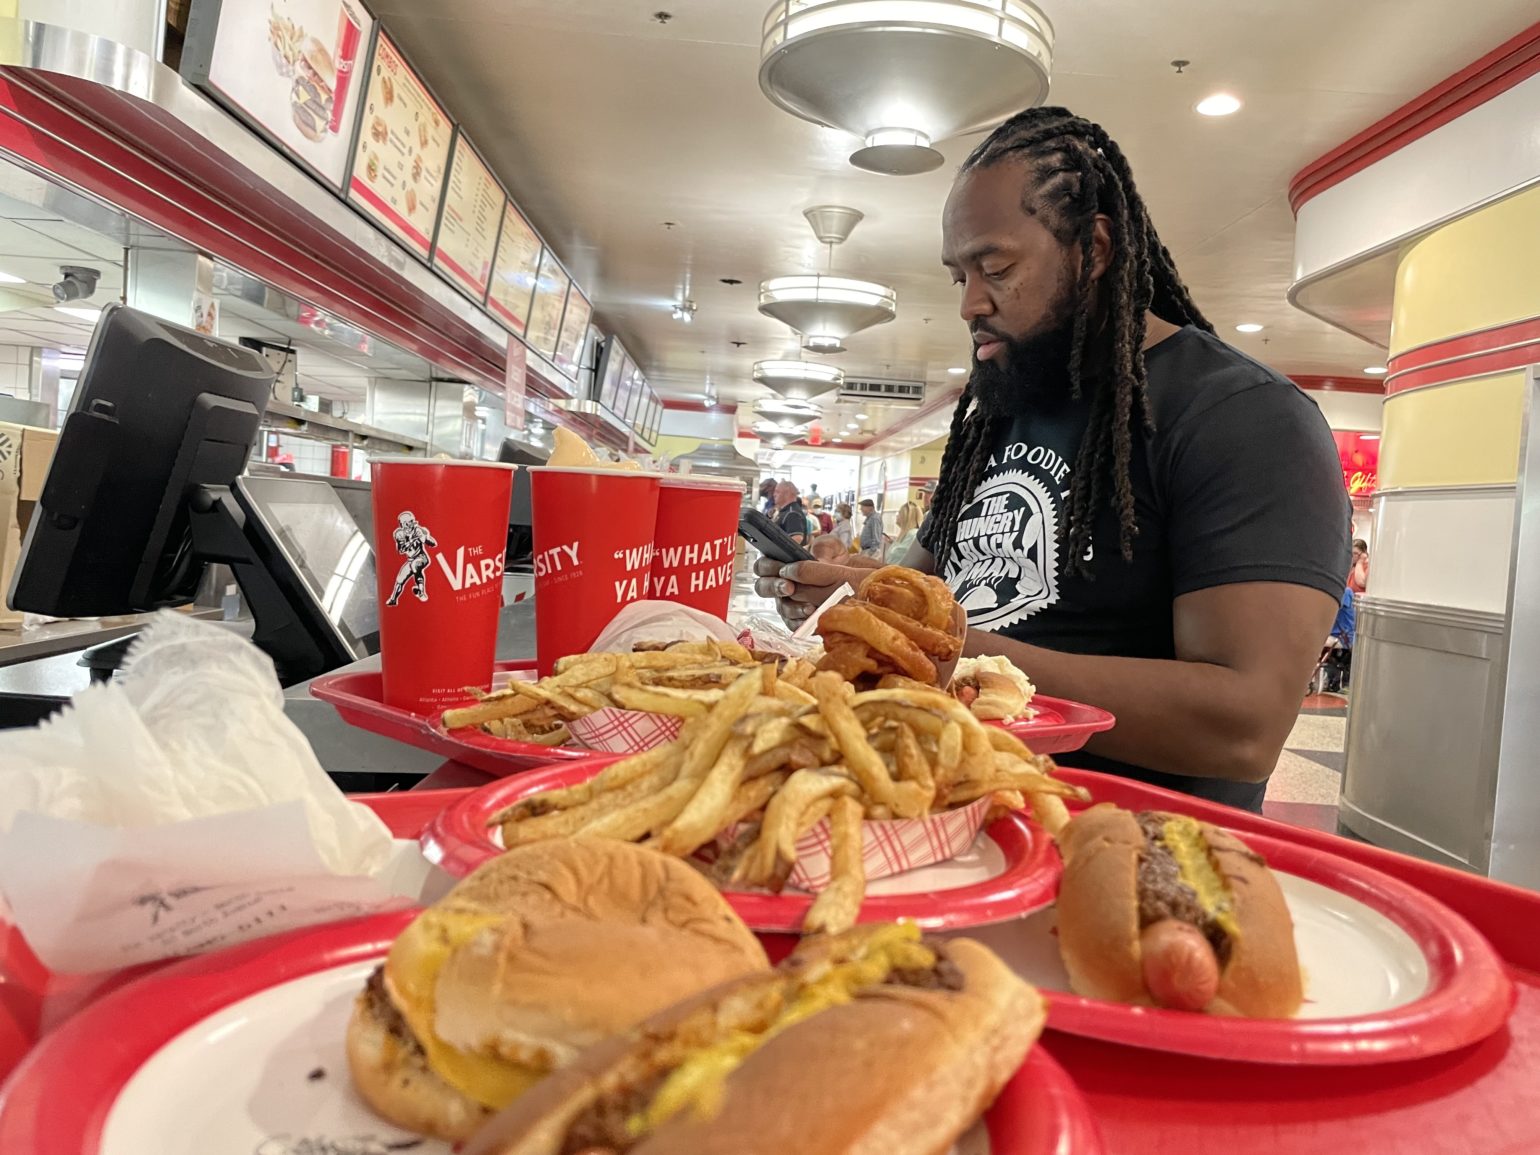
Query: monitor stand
[[219, 535]]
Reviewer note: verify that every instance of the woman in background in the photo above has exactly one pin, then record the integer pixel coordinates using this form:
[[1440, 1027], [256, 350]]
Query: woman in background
[[844, 528], [909, 518]]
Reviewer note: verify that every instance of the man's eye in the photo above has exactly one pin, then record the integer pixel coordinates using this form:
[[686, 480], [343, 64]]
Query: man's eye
[[996, 274]]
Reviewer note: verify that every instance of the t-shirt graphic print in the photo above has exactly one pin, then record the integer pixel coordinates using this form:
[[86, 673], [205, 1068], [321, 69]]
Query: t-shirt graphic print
[[1005, 566]]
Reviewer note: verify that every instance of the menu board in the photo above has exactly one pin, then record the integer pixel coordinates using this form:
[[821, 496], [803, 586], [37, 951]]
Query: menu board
[[609, 384], [574, 328], [287, 66], [403, 151], [644, 422], [545, 313], [515, 270], [467, 232]]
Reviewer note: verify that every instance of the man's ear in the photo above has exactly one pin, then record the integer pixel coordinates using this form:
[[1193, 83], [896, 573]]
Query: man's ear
[[1101, 245]]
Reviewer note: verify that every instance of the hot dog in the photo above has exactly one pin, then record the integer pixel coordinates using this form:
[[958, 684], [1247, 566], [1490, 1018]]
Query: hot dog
[[1160, 909]]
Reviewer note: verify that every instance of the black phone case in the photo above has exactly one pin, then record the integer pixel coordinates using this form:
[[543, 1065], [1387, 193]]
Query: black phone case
[[769, 538]]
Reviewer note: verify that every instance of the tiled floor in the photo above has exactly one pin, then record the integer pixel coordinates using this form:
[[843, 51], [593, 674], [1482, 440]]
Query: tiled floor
[[1304, 788]]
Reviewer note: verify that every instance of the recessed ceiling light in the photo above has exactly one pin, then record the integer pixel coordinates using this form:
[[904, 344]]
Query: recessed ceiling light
[[1219, 104], [1375, 370], [1248, 327], [853, 425], [957, 370], [80, 314], [836, 440], [9, 279], [860, 416]]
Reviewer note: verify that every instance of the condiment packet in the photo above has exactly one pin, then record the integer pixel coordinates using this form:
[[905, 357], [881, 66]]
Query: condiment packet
[[177, 809]]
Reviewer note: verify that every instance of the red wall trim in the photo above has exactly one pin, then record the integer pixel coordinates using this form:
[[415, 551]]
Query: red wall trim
[[1312, 383], [1495, 73], [1511, 346]]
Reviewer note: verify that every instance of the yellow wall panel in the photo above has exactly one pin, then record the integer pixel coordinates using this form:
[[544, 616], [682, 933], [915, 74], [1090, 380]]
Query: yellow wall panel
[[1473, 273], [1463, 433]]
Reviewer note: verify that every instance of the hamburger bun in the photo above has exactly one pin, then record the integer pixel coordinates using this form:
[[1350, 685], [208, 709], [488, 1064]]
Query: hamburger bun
[[898, 1070], [1099, 921], [542, 951]]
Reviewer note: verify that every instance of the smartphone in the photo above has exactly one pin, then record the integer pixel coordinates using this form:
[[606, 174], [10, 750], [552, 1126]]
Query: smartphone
[[769, 538]]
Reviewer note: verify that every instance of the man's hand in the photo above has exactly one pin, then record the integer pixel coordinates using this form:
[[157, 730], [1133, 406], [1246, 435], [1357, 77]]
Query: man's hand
[[800, 588]]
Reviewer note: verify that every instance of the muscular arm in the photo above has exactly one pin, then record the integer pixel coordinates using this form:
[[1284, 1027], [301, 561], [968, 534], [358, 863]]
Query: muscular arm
[[1224, 707]]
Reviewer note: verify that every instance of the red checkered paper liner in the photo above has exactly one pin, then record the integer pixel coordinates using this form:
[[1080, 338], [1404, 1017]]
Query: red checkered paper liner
[[888, 847], [624, 731]]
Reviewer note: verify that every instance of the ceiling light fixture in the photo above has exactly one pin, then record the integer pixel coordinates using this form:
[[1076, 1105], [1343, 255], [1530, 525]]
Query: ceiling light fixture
[[1248, 327], [836, 440], [860, 416], [1219, 104], [685, 311], [957, 370], [1375, 370], [900, 74], [1368, 437], [79, 313], [826, 309], [798, 380]]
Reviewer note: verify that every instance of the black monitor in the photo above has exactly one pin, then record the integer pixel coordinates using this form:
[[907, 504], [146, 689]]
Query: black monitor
[[138, 501], [521, 540]]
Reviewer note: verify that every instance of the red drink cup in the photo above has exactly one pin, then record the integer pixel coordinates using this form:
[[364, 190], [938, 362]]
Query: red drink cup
[[695, 545], [593, 552], [350, 30], [440, 535]]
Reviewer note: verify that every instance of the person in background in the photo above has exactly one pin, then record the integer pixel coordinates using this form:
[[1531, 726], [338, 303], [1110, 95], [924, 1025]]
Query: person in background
[[909, 518], [825, 522], [1358, 576], [790, 514], [767, 496], [844, 528], [1339, 662], [872, 536]]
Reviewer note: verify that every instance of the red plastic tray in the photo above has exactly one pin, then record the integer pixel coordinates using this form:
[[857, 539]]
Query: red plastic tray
[[1060, 725], [360, 701], [1039, 1112], [458, 841]]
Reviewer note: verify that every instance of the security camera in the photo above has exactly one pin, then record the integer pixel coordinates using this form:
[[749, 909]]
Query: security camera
[[76, 283]]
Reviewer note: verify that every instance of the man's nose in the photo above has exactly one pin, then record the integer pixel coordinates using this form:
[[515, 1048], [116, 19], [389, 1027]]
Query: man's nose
[[975, 300]]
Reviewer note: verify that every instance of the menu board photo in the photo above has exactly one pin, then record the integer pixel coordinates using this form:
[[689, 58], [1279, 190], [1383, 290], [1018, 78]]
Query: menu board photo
[[288, 67], [615, 359], [574, 328], [515, 271], [545, 313], [467, 229], [403, 151]]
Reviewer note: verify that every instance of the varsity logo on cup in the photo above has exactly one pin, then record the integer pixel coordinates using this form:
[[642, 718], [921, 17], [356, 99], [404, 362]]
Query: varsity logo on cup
[[470, 567]]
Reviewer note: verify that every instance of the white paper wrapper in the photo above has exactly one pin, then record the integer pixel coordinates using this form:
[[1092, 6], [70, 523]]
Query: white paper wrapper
[[177, 810], [890, 847]]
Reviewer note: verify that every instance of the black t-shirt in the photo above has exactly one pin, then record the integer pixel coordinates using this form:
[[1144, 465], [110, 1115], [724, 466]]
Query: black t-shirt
[[792, 518], [1239, 482]]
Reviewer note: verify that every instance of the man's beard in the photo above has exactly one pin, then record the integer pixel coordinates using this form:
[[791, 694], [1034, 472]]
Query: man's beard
[[1035, 369]]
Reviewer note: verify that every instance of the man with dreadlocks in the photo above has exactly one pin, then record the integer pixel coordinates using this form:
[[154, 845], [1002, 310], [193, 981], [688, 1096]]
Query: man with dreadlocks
[[1130, 510]]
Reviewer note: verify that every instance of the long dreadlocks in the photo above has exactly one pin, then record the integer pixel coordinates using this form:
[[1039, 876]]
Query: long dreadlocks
[[1075, 172]]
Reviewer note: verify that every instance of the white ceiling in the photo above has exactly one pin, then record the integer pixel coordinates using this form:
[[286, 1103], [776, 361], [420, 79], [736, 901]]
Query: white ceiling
[[606, 123]]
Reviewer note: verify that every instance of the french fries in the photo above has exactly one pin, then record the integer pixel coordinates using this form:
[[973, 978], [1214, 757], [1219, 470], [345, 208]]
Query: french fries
[[757, 768], [684, 680]]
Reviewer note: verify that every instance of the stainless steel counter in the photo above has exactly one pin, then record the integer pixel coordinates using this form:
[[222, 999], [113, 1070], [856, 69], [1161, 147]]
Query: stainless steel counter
[[67, 637]]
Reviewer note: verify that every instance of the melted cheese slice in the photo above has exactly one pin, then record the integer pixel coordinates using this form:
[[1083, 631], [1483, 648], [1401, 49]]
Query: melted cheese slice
[[700, 1081], [411, 974], [1184, 839]]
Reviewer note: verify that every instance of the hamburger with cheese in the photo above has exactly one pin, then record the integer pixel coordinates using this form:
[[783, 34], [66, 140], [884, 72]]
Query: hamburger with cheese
[[540, 953]]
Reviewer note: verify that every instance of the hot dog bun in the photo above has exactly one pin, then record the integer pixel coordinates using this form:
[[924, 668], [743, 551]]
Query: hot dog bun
[[1099, 918], [897, 1070]]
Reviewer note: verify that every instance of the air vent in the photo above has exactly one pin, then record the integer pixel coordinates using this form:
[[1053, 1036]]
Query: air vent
[[884, 389]]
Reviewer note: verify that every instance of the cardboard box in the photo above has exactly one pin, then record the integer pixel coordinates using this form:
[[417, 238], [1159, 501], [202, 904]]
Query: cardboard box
[[25, 454]]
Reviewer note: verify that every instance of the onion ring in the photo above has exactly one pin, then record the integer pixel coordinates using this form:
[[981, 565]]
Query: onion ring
[[858, 621], [929, 602], [935, 644]]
